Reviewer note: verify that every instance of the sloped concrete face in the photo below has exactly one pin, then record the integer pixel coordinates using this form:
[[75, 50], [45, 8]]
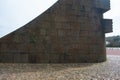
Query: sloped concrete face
[[71, 31]]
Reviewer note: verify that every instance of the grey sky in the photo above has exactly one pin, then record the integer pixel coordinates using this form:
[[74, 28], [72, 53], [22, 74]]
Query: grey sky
[[16, 13], [114, 14]]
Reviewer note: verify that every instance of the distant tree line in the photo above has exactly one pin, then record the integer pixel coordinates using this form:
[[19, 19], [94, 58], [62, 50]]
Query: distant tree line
[[113, 41]]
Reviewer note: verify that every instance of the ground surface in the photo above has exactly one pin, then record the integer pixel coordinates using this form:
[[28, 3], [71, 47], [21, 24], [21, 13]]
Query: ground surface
[[109, 70], [113, 51]]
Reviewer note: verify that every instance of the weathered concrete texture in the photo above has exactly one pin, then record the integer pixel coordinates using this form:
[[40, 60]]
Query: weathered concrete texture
[[69, 31]]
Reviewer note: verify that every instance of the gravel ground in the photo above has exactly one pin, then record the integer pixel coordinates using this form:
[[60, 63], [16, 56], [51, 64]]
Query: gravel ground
[[109, 70]]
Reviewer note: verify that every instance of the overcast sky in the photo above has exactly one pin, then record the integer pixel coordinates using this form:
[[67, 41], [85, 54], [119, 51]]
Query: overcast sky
[[16, 13], [114, 14]]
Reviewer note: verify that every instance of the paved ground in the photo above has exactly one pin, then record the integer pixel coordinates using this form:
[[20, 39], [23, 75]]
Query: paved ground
[[113, 51], [109, 70]]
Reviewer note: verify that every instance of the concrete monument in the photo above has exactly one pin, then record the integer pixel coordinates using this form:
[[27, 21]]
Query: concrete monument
[[71, 31]]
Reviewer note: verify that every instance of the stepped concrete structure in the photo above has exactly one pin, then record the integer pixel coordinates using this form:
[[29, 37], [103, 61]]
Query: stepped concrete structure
[[71, 31]]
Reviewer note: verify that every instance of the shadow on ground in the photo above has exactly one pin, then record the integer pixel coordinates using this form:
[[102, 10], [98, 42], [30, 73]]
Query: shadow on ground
[[17, 68]]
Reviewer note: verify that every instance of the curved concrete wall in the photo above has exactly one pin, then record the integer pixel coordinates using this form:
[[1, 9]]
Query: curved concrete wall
[[68, 32]]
